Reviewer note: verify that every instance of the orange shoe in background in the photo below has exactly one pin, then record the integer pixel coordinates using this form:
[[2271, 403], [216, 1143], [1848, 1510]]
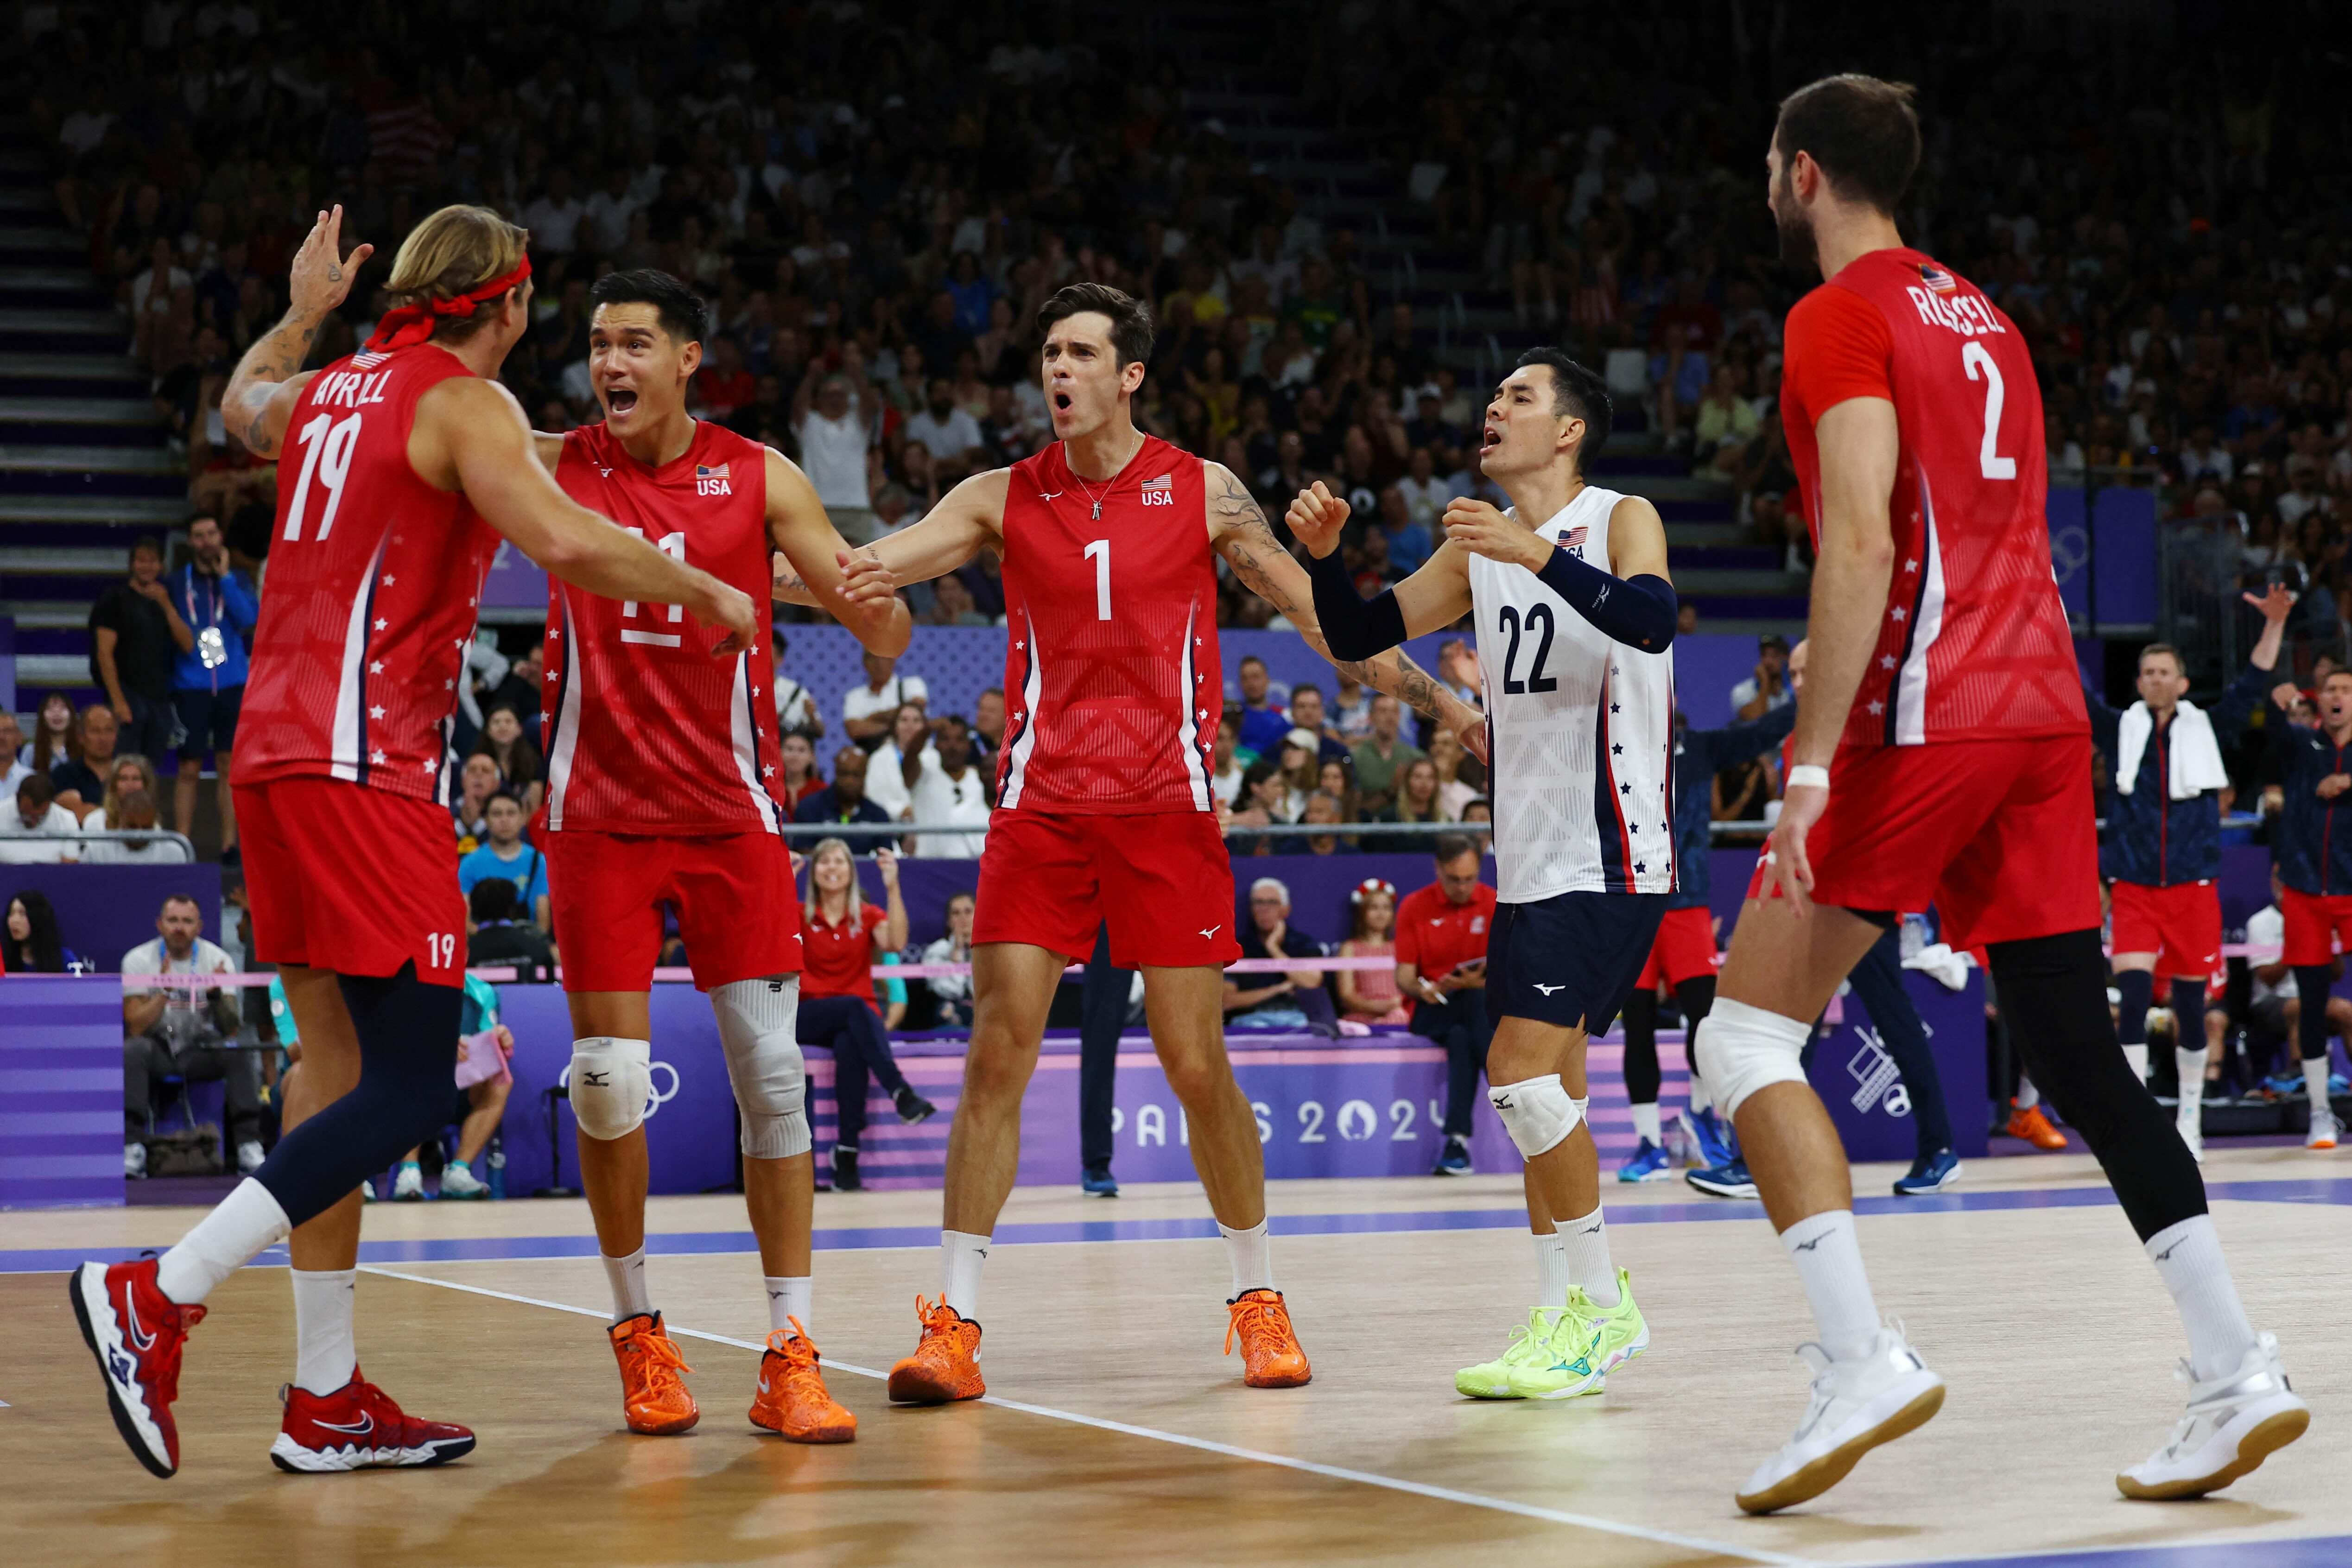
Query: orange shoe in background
[[654, 1395], [946, 1365], [2027, 1121], [792, 1401], [1270, 1354]]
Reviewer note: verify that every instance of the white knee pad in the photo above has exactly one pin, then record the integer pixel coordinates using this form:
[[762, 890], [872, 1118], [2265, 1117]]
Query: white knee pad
[[612, 1083], [757, 1019], [1742, 1049], [1538, 1112]]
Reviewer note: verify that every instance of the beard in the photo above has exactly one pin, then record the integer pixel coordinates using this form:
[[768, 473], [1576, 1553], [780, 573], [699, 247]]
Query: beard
[[1798, 248]]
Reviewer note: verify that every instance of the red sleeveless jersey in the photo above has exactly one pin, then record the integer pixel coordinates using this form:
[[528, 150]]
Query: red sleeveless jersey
[[374, 589], [644, 732], [1112, 684], [1973, 644]]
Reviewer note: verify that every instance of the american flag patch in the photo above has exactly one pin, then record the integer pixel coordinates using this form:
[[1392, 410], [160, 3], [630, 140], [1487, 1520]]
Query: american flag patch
[[1935, 277], [703, 471], [369, 359], [1165, 482], [1574, 537]]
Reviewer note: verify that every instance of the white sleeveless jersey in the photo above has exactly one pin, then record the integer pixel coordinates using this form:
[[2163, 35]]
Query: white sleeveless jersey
[[1580, 728]]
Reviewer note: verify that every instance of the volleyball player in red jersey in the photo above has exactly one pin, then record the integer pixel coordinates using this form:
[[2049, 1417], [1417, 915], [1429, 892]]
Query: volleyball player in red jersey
[[1939, 757], [1104, 811], [401, 468], [660, 768]]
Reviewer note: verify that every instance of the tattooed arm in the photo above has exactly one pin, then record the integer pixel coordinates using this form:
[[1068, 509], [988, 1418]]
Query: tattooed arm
[[1238, 531], [269, 378]]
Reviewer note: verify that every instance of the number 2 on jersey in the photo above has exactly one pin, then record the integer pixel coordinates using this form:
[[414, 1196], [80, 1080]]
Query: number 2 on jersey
[[1537, 680], [326, 456], [1974, 359], [1098, 551]]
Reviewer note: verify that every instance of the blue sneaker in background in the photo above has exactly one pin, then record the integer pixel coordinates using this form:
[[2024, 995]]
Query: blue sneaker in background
[[1455, 1161], [1099, 1184], [1930, 1173], [1648, 1165], [1709, 1139], [1730, 1180]]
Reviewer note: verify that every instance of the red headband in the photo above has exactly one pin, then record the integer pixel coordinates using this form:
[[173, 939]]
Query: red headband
[[414, 323]]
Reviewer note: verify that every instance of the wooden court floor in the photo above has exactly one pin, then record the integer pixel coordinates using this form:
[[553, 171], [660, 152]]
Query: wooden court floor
[[1118, 1434]]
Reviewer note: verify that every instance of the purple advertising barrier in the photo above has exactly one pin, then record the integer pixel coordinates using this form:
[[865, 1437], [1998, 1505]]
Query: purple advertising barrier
[[104, 911], [61, 1081]]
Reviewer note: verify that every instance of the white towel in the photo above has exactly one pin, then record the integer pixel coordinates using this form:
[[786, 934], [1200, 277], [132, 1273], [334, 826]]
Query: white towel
[[2196, 755]]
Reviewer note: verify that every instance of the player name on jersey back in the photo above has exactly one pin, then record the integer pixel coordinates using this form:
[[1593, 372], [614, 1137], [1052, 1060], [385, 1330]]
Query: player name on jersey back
[[646, 733], [1113, 686], [374, 589]]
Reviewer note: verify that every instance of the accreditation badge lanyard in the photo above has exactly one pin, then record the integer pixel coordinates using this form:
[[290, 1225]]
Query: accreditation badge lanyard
[[212, 649]]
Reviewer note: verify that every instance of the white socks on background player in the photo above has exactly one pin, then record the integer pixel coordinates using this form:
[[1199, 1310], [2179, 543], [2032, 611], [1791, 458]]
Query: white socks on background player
[[2189, 1257], [2191, 1066], [1646, 1123], [2315, 1083], [1575, 1253], [325, 1353], [2028, 1097], [1829, 1261]]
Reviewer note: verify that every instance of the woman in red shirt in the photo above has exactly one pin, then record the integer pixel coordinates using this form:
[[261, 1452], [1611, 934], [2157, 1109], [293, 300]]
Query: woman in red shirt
[[843, 937], [801, 778]]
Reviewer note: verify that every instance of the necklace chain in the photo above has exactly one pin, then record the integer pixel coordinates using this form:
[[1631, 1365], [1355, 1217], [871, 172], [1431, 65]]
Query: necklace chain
[[1108, 486]]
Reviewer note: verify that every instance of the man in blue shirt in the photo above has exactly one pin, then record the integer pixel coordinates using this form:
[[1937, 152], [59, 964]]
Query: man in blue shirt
[[1260, 726], [843, 800], [208, 676], [505, 855]]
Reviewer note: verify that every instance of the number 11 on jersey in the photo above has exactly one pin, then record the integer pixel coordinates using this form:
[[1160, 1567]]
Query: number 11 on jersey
[[673, 545]]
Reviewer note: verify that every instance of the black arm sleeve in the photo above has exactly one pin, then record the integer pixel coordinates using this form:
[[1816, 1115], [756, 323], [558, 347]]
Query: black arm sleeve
[[1352, 629], [1636, 611]]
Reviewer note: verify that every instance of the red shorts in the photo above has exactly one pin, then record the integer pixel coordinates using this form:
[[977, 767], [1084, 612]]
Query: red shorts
[[354, 879], [734, 896], [1998, 836], [2316, 927], [2180, 924], [1162, 883], [1684, 949]]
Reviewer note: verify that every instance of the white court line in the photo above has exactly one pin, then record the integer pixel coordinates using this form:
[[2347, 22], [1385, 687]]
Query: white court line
[[1228, 1450]]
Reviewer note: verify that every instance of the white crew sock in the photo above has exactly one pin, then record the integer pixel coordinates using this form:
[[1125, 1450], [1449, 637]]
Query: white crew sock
[[789, 1298], [1551, 1270], [223, 1242], [2137, 1055], [2028, 1097], [627, 1277], [1646, 1123], [324, 1354], [2189, 1256], [1252, 1258], [2191, 1067], [961, 1256], [1829, 1260], [2314, 1083], [1587, 1240]]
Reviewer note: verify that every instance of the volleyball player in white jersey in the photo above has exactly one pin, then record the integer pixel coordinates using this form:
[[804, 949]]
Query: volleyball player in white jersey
[[1575, 619]]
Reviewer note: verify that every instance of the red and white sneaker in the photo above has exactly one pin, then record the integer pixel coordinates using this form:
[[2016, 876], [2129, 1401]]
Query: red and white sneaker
[[357, 1426], [136, 1333]]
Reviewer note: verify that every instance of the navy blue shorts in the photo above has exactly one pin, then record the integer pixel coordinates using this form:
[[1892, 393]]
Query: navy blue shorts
[[1570, 959], [208, 718]]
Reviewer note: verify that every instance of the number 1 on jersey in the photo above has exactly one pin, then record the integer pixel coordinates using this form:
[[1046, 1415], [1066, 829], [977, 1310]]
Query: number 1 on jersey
[[1098, 551], [1973, 359]]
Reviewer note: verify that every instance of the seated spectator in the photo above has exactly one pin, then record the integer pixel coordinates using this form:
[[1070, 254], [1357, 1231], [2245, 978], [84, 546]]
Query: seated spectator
[[34, 945], [1301, 769], [1351, 710], [955, 790], [516, 754], [1453, 791], [953, 991], [868, 711], [1370, 995], [1417, 800], [949, 433], [797, 713], [131, 772], [479, 1102], [1480, 809], [953, 606], [185, 1031], [1334, 779], [133, 811], [1320, 810], [81, 780], [1261, 724], [1383, 755], [477, 780], [56, 734], [1306, 713], [40, 831], [1768, 687], [843, 800], [900, 764], [1226, 769], [504, 854], [1263, 789], [498, 931], [843, 938], [801, 778], [1272, 1001], [1409, 541], [13, 766], [988, 720]]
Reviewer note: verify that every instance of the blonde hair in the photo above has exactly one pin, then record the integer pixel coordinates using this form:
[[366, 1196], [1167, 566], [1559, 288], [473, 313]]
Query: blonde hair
[[454, 251], [816, 899], [111, 805]]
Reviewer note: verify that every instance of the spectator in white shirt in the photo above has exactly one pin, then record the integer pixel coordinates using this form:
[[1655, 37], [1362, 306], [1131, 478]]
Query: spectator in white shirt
[[38, 832], [952, 789], [553, 219], [868, 711], [1424, 493], [1768, 687], [182, 1030], [834, 422], [950, 434], [797, 713], [134, 812], [901, 762], [1226, 779], [954, 991], [14, 768]]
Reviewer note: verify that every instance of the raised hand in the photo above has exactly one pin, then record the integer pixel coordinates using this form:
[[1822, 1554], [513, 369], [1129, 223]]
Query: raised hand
[[1480, 529], [321, 274], [2284, 694], [2273, 603], [1317, 517]]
